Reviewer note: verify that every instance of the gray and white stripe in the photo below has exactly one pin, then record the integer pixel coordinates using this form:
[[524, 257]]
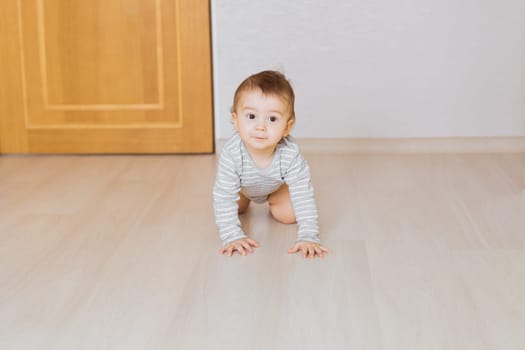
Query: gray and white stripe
[[237, 172]]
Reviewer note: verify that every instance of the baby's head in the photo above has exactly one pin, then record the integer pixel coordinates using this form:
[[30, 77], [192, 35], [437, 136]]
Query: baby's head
[[270, 83]]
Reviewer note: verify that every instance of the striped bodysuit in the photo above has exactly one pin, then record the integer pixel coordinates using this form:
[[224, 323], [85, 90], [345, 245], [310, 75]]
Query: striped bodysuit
[[237, 172]]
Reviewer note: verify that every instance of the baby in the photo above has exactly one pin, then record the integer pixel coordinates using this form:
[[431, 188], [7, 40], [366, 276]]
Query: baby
[[260, 163]]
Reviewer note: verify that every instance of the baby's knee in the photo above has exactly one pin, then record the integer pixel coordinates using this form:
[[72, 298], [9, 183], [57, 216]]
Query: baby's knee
[[242, 210], [242, 204], [283, 215]]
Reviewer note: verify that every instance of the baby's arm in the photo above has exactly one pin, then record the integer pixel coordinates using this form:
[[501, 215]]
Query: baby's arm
[[303, 201], [225, 197]]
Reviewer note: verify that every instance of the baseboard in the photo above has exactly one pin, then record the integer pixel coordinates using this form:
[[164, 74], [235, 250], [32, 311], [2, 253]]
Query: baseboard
[[408, 145], [413, 145]]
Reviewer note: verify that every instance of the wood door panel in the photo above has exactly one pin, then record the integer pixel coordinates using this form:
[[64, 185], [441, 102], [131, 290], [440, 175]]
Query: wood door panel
[[119, 141], [129, 67], [116, 62]]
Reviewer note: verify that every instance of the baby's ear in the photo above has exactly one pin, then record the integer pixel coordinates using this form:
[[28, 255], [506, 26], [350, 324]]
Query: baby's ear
[[235, 121], [289, 125]]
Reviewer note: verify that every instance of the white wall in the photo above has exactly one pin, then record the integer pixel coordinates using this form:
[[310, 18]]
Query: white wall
[[380, 68]]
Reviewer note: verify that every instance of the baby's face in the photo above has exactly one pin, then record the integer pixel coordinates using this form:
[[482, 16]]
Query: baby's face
[[261, 120]]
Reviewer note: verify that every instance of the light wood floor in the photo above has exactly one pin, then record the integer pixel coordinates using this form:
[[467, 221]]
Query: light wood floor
[[121, 252]]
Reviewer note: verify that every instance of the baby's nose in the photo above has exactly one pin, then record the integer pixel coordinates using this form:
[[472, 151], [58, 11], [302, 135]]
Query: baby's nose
[[261, 124]]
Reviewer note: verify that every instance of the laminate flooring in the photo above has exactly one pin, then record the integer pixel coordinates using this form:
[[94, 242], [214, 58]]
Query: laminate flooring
[[121, 252]]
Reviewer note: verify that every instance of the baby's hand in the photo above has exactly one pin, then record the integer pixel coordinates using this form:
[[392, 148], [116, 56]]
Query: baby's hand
[[241, 245], [309, 249]]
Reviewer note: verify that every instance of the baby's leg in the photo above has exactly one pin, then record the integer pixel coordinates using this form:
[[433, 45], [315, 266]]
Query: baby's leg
[[281, 205], [243, 203]]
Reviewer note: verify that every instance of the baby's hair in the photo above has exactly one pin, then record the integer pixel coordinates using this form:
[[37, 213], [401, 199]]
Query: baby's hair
[[271, 83]]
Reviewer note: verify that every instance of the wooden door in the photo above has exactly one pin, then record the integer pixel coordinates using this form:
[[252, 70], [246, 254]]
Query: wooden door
[[105, 76]]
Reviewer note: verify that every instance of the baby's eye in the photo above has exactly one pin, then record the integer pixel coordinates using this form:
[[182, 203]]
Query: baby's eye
[[251, 116], [272, 119]]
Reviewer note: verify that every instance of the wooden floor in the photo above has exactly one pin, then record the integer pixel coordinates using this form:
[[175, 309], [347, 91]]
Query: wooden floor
[[121, 252]]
